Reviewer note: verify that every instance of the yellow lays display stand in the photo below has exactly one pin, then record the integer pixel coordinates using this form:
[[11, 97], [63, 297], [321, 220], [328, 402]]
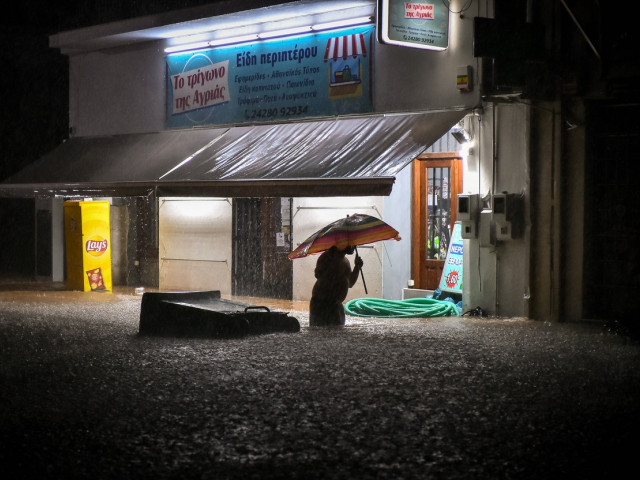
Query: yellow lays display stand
[[88, 245]]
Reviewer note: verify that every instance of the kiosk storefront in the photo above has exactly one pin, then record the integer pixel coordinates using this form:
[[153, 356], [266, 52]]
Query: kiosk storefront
[[247, 109]]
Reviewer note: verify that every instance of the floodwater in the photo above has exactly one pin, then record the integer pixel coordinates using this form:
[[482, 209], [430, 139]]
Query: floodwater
[[83, 395]]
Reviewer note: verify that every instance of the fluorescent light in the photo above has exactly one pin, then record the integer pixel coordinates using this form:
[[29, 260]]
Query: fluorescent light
[[185, 47], [284, 32], [274, 33], [341, 23], [230, 40], [212, 43]]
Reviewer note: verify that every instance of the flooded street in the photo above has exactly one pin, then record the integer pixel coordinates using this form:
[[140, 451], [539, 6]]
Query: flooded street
[[83, 395]]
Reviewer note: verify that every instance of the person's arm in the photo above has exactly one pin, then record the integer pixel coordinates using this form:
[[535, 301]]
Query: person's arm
[[353, 278]]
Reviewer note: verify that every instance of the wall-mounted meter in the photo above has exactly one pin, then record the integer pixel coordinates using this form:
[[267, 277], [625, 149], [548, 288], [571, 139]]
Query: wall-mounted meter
[[467, 215], [507, 215]]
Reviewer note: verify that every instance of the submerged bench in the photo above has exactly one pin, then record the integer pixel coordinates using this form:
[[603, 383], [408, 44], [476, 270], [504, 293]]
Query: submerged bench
[[206, 314]]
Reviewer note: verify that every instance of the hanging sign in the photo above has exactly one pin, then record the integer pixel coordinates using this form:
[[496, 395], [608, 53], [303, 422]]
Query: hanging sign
[[322, 74], [414, 24], [451, 279]]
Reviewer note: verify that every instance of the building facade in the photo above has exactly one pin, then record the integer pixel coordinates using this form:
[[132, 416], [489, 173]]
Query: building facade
[[219, 154]]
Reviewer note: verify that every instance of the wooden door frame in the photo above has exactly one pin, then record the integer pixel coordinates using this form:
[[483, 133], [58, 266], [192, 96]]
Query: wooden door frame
[[418, 201]]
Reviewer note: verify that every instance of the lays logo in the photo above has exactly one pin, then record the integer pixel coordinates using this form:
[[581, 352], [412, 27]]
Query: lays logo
[[96, 245]]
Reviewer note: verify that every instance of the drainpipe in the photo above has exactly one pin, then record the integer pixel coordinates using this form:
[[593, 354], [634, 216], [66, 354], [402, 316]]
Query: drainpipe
[[494, 162]]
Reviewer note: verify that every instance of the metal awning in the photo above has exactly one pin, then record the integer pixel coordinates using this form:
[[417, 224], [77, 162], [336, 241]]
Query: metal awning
[[344, 156]]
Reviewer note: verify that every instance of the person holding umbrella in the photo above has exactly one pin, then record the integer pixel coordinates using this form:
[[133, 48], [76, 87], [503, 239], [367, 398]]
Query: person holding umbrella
[[333, 273], [334, 278]]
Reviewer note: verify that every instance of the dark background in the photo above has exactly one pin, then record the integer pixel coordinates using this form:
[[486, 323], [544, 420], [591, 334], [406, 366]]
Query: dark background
[[34, 118], [35, 77]]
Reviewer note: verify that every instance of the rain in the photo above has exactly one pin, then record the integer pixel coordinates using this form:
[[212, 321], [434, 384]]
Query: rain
[[84, 395]]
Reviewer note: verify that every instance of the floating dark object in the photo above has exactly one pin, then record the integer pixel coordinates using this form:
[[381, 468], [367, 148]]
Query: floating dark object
[[205, 314]]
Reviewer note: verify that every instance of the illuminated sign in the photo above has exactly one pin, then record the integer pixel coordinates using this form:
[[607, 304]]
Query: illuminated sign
[[416, 24], [315, 75]]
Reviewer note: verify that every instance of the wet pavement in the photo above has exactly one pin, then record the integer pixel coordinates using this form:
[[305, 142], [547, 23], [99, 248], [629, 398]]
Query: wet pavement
[[83, 395]]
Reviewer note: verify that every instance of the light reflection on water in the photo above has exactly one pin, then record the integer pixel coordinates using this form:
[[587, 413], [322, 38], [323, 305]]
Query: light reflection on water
[[123, 306]]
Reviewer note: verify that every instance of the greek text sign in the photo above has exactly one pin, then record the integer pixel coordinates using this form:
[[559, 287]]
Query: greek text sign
[[451, 279], [416, 24], [204, 87], [322, 74]]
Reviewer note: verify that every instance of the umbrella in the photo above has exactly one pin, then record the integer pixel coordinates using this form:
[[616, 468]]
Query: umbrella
[[350, 231]]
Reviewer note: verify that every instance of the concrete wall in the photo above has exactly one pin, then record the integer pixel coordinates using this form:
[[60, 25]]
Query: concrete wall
[[572, 200], [117, 91], [546, 262], [408, 79], [397, 255], [496, 273]]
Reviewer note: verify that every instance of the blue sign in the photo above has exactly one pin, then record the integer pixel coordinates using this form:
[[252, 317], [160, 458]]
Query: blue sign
[[322, 74], [451, 279]]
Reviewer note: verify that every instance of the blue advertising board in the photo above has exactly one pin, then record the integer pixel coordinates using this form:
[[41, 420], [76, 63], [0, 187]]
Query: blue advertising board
[[451, 279], [314, 75]]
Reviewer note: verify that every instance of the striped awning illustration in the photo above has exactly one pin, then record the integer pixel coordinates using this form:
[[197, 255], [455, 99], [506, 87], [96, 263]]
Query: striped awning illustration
[[345, 46]]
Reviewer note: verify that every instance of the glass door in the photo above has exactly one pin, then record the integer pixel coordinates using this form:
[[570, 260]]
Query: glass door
[[439, 212], [436, 184]]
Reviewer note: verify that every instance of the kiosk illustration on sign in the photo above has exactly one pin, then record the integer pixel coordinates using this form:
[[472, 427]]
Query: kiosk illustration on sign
[[451, 279], [88, 245], [343, 54]]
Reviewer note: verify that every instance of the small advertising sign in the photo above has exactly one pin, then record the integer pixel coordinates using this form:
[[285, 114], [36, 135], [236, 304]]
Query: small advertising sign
[[451, 279], [314, 75], [414, 24]]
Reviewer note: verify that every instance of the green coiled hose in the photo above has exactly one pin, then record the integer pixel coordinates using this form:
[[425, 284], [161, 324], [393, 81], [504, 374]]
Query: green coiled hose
[[408, 308]]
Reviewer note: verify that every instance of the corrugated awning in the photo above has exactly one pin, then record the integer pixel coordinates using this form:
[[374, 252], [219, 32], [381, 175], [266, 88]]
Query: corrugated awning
[[342, 156], [345, 46]]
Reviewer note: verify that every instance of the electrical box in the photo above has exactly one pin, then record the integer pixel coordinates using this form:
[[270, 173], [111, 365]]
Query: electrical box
[[464, 80], [468, 230], [486, 234], [508, 215], [467, 215], [467, 207]]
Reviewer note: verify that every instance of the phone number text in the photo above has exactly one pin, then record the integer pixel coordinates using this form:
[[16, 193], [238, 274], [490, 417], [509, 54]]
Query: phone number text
[[275, 112]]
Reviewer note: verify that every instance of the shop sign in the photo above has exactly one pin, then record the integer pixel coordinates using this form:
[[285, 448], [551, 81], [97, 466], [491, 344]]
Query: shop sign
[[451, 279], [315, 75], [414, 24]]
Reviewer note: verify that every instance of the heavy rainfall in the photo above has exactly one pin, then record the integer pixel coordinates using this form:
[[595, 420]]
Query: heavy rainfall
[[84, 395]]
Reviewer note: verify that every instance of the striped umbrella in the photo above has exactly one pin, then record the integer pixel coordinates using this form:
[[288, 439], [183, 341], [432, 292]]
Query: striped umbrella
[[351, 231]]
